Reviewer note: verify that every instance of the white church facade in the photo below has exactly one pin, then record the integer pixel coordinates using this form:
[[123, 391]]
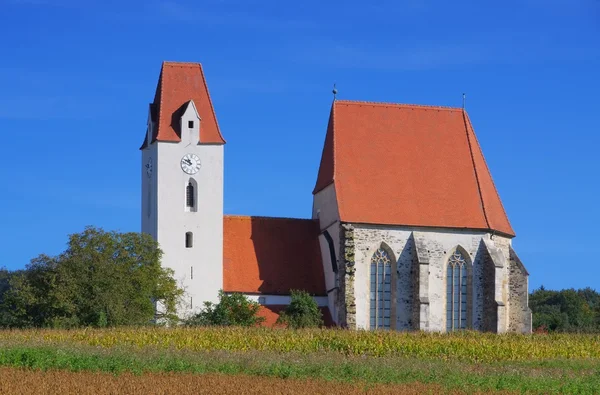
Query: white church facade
[[407, 230]]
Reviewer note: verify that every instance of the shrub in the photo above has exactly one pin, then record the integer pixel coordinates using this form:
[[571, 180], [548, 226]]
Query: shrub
[[232, 310], [302, 312]]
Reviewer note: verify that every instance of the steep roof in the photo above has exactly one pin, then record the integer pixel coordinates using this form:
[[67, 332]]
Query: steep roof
[[271, 255], [398, 164], [177, 85]]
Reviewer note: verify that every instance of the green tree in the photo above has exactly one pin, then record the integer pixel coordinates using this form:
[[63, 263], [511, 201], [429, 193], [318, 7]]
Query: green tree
[[102, 279], [302, 312], [566, 310], [232, 310]]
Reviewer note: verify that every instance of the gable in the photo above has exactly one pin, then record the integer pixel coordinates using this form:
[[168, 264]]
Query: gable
[[408, 165]]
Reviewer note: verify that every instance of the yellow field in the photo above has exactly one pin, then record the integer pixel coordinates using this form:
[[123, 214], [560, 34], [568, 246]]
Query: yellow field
[[467, 346]]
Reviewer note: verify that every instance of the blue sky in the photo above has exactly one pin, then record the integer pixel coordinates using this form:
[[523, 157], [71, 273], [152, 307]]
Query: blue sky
[[76, 78]]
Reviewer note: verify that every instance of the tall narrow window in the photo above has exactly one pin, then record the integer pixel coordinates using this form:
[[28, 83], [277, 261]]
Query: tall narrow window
[[149, 201], [381, 289], [190, 195], [456, 292], [189, 239]]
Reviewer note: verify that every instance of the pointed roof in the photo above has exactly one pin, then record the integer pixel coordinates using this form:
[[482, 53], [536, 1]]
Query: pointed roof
[[177, 85], [397, 164]]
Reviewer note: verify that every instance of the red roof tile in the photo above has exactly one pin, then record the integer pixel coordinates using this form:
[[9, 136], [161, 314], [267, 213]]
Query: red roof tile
[[271, 314], [408, 165], [177, 85], [271, 255]]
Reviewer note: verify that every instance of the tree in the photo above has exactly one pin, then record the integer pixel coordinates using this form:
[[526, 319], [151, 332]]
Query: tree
[[567, 310], [102, 279], [302, 312], [232, 310]]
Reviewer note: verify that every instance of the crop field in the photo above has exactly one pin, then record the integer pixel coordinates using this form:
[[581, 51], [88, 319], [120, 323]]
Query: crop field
[[237, 360]]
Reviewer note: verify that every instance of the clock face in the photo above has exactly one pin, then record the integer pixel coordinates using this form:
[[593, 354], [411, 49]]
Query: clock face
[[148, 167], [190, 164]]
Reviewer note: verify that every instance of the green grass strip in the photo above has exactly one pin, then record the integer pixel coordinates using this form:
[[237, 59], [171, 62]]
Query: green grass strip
[[326, 366]]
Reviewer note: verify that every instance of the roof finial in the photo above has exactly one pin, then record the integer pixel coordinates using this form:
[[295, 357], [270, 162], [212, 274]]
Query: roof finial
[[334, 91], [464, 98]]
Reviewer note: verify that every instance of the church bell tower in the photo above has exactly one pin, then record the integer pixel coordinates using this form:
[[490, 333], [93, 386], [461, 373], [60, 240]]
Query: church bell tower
[[182, 183]]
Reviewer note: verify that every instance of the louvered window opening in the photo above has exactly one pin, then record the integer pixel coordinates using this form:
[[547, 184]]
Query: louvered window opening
[[189, 195], [456, 293], [381, 290]]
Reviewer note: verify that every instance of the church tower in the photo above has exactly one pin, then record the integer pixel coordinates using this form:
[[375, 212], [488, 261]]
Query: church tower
[[182, 183]]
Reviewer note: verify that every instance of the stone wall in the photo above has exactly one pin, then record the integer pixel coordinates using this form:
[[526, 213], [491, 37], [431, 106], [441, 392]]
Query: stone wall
[[489, 312], [421, 255], [421, 283], [346, 304], [519, 311]]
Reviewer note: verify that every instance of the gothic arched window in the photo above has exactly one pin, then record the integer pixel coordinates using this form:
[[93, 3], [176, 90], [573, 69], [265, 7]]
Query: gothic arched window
[[381, 289], [456, 292]]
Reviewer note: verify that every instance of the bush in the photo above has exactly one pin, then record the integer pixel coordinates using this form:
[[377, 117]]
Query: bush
[[302, 312], [232, 310]]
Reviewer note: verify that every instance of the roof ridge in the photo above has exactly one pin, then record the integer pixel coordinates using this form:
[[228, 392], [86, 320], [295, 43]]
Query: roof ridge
[[333, 141], [182, 64], [487, 168], [237, 216], [161, 81], [464, 114], [211, 104], [402, 105]]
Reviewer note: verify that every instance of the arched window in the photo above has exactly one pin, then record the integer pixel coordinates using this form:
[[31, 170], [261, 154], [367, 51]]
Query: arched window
[[190, 196], [381, 289], [189, 239], [457, 295]]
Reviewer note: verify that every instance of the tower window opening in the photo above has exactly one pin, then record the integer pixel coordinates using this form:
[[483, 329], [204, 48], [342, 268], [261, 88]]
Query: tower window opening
[[191, 272], [189, 240], [190, 124], [189, 195]]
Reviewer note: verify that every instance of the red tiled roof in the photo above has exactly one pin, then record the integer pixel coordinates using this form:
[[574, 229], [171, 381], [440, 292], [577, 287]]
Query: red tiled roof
[[413, 165], [271, 255], [177, 85], [271, 314]]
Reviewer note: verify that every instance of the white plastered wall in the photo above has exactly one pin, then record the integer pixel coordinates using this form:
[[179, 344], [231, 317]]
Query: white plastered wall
[[199, 269], [326, 210]]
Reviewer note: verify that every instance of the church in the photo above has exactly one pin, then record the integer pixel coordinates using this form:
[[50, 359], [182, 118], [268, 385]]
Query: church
[[407, 230]]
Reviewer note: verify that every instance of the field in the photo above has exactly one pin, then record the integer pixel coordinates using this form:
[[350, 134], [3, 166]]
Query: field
[[236, 360]]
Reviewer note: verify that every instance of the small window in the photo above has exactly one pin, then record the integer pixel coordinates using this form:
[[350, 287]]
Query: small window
[[189, 195], [191, 272], [189, 240], [191, 303], [190, 124]]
